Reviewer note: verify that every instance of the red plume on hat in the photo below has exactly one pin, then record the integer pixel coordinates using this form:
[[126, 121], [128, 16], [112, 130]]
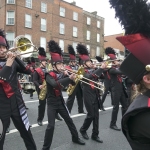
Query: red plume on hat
[[42, 54], [110, 52], [3, 40], [55, 52], [71, 52], [134, 16], [83, 53]]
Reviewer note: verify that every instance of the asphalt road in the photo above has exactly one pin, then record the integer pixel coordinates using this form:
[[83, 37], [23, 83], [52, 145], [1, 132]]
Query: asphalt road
[[113, 140]]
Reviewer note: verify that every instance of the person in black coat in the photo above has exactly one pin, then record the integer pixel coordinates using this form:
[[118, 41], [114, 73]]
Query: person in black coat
[[78, 90], [91, 95], [55, 103], [117, 89], [11, 102]]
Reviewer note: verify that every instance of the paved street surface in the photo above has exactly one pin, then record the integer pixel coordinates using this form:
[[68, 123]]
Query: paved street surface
[[113, 140]]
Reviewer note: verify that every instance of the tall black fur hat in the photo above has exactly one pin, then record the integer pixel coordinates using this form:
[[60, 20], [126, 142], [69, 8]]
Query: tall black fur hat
[[71, 52], [3, 40]]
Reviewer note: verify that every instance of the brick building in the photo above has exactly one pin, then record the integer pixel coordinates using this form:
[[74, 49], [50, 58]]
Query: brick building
[[43, 20]]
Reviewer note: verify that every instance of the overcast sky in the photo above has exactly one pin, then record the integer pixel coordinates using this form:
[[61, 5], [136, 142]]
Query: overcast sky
[[111, 25]]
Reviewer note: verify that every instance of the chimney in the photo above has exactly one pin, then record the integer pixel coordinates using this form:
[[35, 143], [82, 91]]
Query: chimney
[[73, 3], [94, 12]]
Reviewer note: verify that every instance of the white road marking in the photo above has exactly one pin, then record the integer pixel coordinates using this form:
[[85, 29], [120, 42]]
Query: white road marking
[[38, 100], [46, 122]]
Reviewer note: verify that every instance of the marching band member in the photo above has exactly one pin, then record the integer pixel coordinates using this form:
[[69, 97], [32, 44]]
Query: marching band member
[[55, 101], [107, 84], [11, 102], [38, 78], [117, 89], [90, 94], [136, 121], [77, 91]]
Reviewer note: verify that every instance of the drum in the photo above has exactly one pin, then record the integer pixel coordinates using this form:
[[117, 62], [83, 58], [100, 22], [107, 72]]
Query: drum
[[29, 87], [1, 129]]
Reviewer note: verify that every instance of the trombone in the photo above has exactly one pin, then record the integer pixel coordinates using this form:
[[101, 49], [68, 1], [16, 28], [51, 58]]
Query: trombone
[[23, 46], [80, 77]]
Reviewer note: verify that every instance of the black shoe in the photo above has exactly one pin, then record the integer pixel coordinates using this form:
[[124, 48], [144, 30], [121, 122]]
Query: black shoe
[[97, 139], [114, 127], [78, 141], [84, 134], [40, 123], [26, 107], [103, 109], [7, 131], [58, 117]]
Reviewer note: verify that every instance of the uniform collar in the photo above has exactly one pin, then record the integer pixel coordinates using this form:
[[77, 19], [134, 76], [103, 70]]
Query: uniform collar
[[147, 93]]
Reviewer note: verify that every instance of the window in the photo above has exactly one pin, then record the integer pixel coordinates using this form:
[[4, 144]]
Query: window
[[10, 18], [10, 37], [75, 16], [28, 36], [29, 3], [88, 48], [74, 46], [62, 28], [97, 51], [88, 21], [43, 42], [43, 7], [61, 44], [98, 37], [98, 24], [43, 24], [75, 31], [10, 1], [28, 21], [62, 12], [88, 35]]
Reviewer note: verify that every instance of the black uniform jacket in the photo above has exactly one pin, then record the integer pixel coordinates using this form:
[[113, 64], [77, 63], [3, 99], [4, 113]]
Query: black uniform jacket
[[55, 81], [90, 94], [136, 122], [116, 83], [11, 76], [107, 78]]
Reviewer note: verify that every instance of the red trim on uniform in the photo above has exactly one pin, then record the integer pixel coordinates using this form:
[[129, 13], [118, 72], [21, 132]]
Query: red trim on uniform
[[108, 76], [41, 74], [149, 102]]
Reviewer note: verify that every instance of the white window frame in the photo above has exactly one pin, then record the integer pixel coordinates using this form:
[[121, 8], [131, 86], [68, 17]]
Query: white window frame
[[43, 7], [13, 18], [88, 34], [28, 3], [43, 44], [98, 37], [62, 28], [9, 2], [43, 26], [10, 39], [75, 16], [28, 21], [62, 12], [88, 48], [28, 36], [74, 45], [75, 32], [88, 21], [98, 51], [62, 44], [98, 24]]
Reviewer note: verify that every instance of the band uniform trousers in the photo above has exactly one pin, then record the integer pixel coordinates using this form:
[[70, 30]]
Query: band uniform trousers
[[78, 93], [54, 107], [8, 108], [118, 97], [92, 116], [107, 88], [41, 108]]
